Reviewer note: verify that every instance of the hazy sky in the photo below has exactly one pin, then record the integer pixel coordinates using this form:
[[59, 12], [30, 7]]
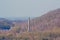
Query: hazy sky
[[26, 8]]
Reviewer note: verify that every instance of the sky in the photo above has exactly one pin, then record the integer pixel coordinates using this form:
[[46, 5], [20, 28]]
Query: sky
[[27, 8]]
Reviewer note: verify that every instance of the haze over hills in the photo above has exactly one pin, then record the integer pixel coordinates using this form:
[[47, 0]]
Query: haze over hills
[[47, 21]]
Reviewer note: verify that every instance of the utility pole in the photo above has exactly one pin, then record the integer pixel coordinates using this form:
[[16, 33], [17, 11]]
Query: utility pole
[[28, 24]]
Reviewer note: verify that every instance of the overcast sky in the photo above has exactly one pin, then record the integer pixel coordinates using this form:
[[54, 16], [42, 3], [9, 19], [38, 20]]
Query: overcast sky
[[26, 8]]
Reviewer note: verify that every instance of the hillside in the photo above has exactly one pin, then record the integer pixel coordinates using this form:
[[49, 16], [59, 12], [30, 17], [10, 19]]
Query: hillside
[[47, 21]]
